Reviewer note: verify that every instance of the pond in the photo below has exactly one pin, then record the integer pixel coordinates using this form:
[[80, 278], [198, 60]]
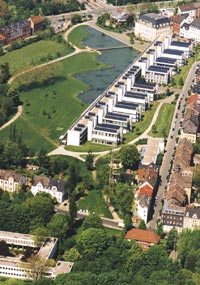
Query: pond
[[118, 59]]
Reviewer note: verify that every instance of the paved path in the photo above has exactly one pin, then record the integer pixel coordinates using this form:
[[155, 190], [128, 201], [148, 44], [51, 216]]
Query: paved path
[[16, 116]]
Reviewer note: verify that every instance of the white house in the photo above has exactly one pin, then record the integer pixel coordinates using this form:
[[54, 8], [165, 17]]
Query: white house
[[56, 188]]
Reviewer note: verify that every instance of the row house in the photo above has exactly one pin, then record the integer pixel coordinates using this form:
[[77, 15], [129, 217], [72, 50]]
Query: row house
[[143, 237], [150, 26], [108, 118], [55, 188], [190, 125], [147, 179], [11, 181]]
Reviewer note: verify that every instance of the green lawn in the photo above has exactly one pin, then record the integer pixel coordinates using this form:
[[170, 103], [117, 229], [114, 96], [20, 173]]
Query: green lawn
[[49, 111], [164, 120], [183, 73], [77, 36], [94, 203], [32, 54], [88, 146], [141, 126]]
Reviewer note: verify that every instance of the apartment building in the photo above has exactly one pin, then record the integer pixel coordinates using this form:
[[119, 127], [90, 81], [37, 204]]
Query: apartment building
[[166, 62], [192, 219], [191, 31], [193, 9], [16, 31], [150, 26]]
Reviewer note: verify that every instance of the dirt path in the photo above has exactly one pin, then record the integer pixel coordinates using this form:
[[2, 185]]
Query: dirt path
[[16, 116]]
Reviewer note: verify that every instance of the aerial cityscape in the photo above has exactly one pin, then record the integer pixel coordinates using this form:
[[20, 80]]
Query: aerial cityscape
[[99, 142]]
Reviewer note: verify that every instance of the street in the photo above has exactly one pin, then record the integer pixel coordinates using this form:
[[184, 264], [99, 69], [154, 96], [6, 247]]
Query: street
[[171, 144]]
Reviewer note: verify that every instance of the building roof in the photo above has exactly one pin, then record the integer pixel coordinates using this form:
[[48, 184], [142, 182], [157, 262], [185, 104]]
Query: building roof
[[196, 24], [177, 19], [36, 19], [143, 236], [5, 174], [144, 200], [193, 213], [183, 153], [2, 38], [155, 19], [146, 189], [177, 194], [148, 174], [187, 7], [48, 183]]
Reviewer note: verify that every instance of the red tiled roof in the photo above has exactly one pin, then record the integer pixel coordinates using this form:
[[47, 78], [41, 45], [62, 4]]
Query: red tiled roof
[[36, 19], [142, 236], [146, 189], [2, 38], [192, 99]]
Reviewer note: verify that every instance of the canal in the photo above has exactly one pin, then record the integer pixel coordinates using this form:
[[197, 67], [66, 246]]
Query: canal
[[117, 59]]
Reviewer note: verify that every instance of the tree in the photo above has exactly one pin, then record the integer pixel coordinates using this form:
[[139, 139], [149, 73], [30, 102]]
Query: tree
[[93, 241], [92, 221], [160, 230], [130, 156], [75, 19], [36, 264], [181, 82], [89, 161], [58, 226], [142, 225], [171, 239], [154, 129], [72, 255], [72, 210], [41, 234], [128, 222]]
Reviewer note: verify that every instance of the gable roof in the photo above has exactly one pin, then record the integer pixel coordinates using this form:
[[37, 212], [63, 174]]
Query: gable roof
[[36, 19], [142, 236], [48, 183], [5, 174], [146, 189], [148, 174], [187, 7], [178, 19], [155, 19]]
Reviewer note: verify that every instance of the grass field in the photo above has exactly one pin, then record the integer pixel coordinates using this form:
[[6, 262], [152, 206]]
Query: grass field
[[164, 120], [88, 146], [94, 203], [49, 111], [32, 54], [77, 36], [183, 73], [142, 125]]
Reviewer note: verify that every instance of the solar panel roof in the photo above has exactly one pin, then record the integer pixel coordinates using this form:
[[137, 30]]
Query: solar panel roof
[[166, 60], [180, 44], [173, 51], [158, 69]]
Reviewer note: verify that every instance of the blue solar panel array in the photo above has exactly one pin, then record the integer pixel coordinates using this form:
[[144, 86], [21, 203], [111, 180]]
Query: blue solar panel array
[[180, 44], [115, 117], [159, 69], [107, 128], [131, 94], [144, 85], [173, 51], [171, 61]]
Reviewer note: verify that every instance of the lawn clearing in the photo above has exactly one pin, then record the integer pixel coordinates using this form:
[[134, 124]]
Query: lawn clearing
[[52, 109], [94, 202], [34, 54], [142, 125], [183, 73], [163, 123], [77, 36], [88, 146]]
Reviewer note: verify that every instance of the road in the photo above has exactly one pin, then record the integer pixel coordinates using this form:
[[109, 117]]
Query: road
[[171, 143], [108, 223]]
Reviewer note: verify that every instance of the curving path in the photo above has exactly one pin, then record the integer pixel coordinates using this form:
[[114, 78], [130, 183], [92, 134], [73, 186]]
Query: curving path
[[16, 116]]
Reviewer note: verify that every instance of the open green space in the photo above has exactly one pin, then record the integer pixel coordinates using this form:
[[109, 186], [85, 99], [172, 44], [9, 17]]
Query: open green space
[[141, 126], [49, 111], [183, 73], [77, 36], [163, 123], [35, 54], [88, 146], [94, 202]]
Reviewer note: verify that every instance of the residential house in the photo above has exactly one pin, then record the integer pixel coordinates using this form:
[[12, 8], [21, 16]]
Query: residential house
[[150, 26], [36, 24], [11, 181], [192, 219], [56, 188], [193, 9], [176, 21], [120, 16], [143, 237], [191, 31], [183, 154]]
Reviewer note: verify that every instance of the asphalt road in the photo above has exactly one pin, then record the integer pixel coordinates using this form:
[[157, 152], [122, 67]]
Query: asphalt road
[[171, 143], [108, 223]]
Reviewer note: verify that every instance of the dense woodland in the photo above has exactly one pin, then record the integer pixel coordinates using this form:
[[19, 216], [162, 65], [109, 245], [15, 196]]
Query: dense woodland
[[15, 10]]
